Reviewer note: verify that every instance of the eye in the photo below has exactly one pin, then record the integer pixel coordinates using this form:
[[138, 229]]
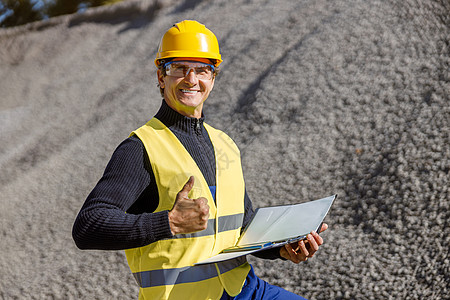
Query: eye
[[202, 70], [181, 68]]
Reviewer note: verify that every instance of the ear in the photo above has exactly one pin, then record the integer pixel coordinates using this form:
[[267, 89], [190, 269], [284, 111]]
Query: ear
[[160, 78]]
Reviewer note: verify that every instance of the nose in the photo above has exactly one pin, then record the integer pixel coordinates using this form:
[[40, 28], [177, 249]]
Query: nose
[[191, 77]]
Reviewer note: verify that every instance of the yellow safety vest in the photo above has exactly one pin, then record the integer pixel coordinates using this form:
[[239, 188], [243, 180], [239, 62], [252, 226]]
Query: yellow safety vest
[[165, 269]]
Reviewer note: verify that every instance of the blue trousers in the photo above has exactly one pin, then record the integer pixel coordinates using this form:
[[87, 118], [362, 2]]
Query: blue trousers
[[257, 289]]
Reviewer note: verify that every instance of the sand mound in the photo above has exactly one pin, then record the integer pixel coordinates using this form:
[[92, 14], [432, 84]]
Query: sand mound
[[323, 97]]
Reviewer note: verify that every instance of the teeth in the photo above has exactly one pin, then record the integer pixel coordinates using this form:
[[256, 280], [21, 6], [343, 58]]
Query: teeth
[[189, 91]]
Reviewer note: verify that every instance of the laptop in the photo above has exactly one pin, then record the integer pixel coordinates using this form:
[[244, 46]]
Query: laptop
[[276, 226]]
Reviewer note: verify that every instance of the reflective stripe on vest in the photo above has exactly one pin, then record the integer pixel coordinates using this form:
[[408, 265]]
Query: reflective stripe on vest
[[185, 275], [226, 223]]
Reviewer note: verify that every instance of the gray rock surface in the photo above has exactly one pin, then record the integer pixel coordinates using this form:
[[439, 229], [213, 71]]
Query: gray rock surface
[[323, 97]]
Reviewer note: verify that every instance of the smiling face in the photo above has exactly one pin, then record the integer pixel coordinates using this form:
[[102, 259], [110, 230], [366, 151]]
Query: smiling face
[[186, 95]]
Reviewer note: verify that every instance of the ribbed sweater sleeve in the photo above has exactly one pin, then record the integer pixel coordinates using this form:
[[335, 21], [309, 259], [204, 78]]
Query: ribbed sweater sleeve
[[103, 222]]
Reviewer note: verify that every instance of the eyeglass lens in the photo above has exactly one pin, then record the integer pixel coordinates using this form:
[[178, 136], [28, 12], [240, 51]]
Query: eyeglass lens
[[183, 68]]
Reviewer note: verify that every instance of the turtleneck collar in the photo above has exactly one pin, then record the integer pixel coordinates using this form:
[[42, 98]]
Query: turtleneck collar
[[176, 121]]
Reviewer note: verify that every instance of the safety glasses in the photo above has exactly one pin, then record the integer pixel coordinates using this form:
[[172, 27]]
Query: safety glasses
[[203, 71]]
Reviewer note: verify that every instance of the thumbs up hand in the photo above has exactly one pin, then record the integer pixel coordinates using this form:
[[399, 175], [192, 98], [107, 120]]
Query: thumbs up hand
[[188, 215]]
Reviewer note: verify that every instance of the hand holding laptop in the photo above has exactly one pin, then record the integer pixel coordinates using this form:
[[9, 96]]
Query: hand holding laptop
[[303, 249], [278, 226]]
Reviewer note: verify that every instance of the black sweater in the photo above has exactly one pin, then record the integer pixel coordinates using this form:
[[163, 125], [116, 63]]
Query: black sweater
[[119, 212]]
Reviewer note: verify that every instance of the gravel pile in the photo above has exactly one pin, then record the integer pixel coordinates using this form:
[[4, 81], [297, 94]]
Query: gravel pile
[[323, 97]]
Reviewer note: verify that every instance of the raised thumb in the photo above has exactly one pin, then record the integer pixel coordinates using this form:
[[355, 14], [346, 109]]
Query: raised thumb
[[187, 187]]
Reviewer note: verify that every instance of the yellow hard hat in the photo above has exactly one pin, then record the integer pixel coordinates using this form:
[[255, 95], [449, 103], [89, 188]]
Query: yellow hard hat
[[189, 39]]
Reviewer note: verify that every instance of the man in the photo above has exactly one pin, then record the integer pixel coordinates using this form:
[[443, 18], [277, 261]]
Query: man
[[173, 193]]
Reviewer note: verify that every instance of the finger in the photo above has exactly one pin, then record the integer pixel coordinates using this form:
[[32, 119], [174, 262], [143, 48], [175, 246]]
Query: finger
[[202, 204], [292, 253], [202, 209], [313, 246], [313, 243], [298, 247], [202, 201], [303, 249], [187, 187], [205, 213], [203, 222], [318, 238], [323, 227]]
